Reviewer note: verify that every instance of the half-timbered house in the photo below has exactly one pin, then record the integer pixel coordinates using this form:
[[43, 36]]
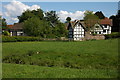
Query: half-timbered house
[[76, 30]]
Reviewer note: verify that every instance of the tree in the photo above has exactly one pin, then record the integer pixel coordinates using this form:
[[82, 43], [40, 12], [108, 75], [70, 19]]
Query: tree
[[59, 28], [100, 14], [38, 13], [68, 19], [90, 19], [115, 22], [36, 27], [118, 13], [29, 14], [3, 23], [52, 17]]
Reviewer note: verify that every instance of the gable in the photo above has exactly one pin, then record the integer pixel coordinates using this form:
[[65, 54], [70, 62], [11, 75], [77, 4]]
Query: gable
[[79, 24], [97, 27]]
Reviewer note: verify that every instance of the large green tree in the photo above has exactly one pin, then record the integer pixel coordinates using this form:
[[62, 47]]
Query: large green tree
[[115, 22], [90, 19], [29, 14], [36, 27], [58, 28], [52, 17], [48, 26]]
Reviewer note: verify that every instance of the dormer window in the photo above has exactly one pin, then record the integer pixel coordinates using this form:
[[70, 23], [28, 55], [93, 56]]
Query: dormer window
[[105, 26], [97, 26]]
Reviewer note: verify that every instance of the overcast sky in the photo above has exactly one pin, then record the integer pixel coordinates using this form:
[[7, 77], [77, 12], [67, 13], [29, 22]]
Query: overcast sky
[[75, 10]]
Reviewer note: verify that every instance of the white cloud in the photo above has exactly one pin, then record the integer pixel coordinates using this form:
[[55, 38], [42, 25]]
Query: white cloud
[[16, 8], [76, 15], [0, 13]]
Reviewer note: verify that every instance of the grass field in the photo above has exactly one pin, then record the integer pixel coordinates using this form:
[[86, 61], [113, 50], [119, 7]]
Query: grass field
[[30, 71], [96, 59]]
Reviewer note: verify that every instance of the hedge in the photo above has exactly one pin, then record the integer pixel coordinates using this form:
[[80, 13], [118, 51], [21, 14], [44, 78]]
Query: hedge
[[19, 38], [112, 35], [27, 38]]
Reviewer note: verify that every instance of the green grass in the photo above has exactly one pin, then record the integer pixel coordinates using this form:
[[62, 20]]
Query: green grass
[[100, 56], [27, 71]]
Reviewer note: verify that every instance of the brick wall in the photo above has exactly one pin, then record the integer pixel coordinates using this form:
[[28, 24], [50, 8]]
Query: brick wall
[[97, 37]]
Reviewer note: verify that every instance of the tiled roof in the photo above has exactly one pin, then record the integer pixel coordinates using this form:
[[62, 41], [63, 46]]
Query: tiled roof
[[106, 21], [17, 26], [9, 26]]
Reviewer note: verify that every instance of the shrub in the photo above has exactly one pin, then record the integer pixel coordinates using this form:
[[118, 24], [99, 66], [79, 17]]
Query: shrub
[[27, 38], [19, 38], [6, 33], [112, 35]]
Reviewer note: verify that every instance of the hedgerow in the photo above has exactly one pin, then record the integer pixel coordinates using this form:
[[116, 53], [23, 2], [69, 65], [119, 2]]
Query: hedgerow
[[19, 38], [112, 35]]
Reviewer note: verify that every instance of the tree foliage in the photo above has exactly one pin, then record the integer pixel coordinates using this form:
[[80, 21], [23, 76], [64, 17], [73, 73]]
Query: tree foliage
[[118, 13], [29, 14], [45, 26], [36, 27], [58, 28], [90, 19], [52, 17], [100, 14], [3, 23], [116, 22], [68, 19], [90, 15]]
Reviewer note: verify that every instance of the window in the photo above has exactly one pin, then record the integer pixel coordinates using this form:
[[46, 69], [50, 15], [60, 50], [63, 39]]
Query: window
[[104, 31], [70, 36], [97, 26], [105, 26], [99, 32]]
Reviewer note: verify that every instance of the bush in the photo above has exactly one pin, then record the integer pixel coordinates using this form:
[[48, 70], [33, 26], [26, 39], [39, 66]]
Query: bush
[[19, 38], [6, 33], [27, 38], [112, 35]]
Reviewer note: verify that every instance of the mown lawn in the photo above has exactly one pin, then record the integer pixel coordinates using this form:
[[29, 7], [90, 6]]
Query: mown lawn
[[76, 59], [30, 71]]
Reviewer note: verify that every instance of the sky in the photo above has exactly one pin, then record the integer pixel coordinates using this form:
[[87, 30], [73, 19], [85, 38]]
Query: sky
[[75, 10], [64, 0]]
